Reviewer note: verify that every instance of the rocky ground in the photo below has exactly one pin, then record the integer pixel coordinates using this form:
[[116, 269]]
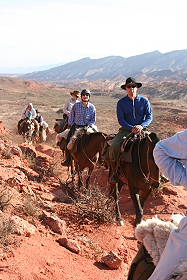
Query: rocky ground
[[43, 235]]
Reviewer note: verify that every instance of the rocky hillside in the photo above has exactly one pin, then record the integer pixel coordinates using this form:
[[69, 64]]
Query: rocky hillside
[[153, 66], [44, 235]]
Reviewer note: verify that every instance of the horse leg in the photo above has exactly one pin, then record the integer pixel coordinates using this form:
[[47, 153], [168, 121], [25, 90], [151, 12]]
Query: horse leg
[[89, 175], [72, 170], [144, 194], [137, 204], [80, 182], [117, 188]]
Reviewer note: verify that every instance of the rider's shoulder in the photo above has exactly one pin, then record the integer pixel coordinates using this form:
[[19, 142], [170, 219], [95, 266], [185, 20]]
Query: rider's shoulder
[[91, 105], [143, 98], [123, 99], [77, 104]]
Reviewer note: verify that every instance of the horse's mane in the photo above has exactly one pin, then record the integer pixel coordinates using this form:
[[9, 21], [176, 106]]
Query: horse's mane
[[140, 149], [85, 139]]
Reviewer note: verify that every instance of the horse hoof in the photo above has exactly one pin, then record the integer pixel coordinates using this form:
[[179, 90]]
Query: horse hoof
[[121, 223]]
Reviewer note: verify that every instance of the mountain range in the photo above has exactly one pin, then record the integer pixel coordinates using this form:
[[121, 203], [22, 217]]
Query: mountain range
[[152, 66]]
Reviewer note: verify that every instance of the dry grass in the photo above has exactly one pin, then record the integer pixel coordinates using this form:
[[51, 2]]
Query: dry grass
[[6, 229], [94, 206], [5, 197], [31, 209], [31, 159]]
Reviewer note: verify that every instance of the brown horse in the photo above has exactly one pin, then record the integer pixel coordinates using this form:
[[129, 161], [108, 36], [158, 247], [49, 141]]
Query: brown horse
[[61, 124], [86, 153], [140, 172]]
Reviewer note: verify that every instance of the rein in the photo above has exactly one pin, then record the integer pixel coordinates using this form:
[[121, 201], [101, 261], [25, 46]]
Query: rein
[[148, 177], [87, 157]]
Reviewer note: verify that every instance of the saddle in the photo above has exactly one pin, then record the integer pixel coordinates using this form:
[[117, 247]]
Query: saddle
[[127, 146]]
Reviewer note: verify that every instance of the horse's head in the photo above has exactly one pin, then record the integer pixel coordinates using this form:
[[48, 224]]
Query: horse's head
[[105, 151], [60, 125], [28, 130]]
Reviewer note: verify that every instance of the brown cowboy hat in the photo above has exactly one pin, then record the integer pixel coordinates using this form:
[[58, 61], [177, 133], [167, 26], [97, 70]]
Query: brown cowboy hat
[[131, 81], [76, 93]]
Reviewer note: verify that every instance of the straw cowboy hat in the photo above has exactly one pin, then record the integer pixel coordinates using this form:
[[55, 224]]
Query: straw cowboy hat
[[76, 93], [131, 82]]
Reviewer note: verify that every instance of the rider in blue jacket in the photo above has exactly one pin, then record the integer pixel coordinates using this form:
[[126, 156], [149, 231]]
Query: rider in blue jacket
[[134, 114]]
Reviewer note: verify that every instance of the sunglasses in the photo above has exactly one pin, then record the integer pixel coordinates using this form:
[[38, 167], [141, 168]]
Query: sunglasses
[[130, 86], [85, 94]]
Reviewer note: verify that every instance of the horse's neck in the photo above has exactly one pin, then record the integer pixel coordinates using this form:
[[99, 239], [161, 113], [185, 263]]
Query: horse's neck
[[91, 142]]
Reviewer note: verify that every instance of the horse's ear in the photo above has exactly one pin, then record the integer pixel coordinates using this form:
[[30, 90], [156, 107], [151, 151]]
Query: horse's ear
[[154, 137]]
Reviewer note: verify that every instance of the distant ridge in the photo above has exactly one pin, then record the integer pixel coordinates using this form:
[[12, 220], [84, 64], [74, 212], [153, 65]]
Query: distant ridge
[[152, 66]]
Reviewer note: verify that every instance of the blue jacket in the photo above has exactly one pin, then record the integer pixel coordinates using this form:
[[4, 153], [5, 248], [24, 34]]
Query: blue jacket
[[134, 112]]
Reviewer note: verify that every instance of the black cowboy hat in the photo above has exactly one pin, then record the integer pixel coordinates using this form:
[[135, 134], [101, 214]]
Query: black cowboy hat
[[131, 81]]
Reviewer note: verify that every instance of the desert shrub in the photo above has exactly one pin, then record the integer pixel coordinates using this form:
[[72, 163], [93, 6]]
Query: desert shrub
[[6, 228], [5, 197], [28, 154], [31, 206], [95, 206], [31, 158]]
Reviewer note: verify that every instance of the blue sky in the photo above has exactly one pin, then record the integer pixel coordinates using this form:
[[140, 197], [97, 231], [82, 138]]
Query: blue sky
[[43, 32]]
